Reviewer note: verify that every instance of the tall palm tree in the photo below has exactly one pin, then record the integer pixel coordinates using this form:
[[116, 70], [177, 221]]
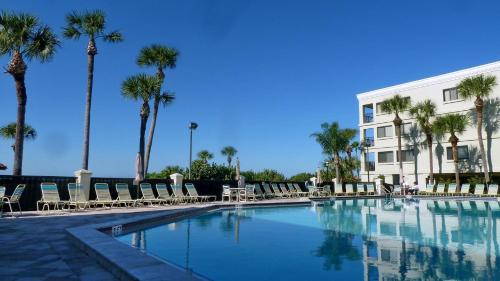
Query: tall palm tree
[[424, 112], [334, 140], [205, 156], [229, 152], [144, 88], [356, 146], [478, 87], [23, 36], [91, 24], [396, 105], [9, 132], [452, 124], [161, 57]]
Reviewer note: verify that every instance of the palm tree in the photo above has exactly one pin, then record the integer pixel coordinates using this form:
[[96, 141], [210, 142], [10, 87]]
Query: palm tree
[[229, 152], [161, 57], [478, 87], [424, 112], [452, 124], [334, 140], [356, 146], [396, 105], [205, 156], [91, 24], [144, 88], [9, 132], [23, 36]]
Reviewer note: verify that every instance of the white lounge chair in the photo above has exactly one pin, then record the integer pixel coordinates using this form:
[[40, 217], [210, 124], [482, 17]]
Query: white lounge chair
[[77, 197], [194, 194], [13, 199], [124, 195], [50, 196], [163, 193], [148, 196]]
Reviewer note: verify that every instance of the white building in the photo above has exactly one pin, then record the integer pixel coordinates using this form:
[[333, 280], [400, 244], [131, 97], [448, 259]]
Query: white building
[[377, 128]]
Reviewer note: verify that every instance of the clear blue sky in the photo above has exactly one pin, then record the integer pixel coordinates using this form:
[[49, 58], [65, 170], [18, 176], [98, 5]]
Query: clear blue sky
[[258, 75]]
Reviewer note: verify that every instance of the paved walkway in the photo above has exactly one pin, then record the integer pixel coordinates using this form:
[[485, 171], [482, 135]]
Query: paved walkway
[[36, 247]]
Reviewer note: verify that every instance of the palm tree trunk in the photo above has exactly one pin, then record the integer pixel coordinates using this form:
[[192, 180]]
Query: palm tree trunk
[[454, 145], [91, 52], [431, 160], [397, 126], [229, 162], [479, 109], [21, 113], [338, 179], [144, 121], [151, 135]]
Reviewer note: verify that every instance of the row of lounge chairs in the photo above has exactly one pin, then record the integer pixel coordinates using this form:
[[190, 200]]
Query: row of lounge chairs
[[77, 199], [453, 189]]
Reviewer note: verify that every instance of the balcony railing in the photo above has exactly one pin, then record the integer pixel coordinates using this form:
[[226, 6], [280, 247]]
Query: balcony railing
[[367, 117], [370, 166]]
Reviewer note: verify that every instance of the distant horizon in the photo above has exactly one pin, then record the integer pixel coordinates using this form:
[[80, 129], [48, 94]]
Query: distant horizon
[[260, 76]]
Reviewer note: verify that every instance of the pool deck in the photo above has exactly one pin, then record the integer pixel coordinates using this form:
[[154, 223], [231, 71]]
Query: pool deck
[[39, 247]]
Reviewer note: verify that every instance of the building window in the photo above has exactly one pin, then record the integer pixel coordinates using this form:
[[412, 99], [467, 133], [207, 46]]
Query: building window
[[386, 157], [384, 132], [463, 153], [406, 156], [405, 129], [378, 108], [450, 94]]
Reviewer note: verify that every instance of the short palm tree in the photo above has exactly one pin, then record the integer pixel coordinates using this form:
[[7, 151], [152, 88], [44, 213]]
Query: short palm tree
[[424, 112], [161, 57], [23, 36], [205, 156], [334, 140], [144, 88], [478, 87], [396, 105], [452, 124], [91, 24], [229, 152], [9, 132]]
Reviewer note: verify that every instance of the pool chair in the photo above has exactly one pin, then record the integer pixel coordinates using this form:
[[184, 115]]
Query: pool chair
[[13, 199], [349, 189], [464, 189], [267, 190], [228, 194], [277, 191], [103, 196], [163, 193], [440, 189], [194, 193], [124, 197], [258, 192], [429, 189], [312, 190], [479, 189], [148, 196], [285, 191], [492, 190], [338, 191], [179, 194], [360, 189], [50, 196], [453, 189], [248, 194], [326, 191], [77, 197], [370, 189], [299, 190]]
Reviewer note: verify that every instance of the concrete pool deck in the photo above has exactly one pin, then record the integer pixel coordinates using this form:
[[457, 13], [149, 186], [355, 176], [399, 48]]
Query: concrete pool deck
[[38, 247]]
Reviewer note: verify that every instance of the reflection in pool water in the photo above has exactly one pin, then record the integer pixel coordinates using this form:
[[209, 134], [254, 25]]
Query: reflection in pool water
[[365, 239]]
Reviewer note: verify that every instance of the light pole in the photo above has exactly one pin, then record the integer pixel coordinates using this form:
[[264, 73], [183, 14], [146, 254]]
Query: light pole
[[192, 126]]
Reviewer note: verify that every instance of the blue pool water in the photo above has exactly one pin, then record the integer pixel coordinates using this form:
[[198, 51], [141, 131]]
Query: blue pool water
[[366, 239]]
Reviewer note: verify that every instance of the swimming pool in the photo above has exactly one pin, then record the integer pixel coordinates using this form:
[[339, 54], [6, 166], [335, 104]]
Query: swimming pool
[[364, 239]]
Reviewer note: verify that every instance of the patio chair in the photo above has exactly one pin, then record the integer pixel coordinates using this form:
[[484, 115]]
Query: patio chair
[[349, 189], [77, 197], [148, 196], [13, 199], [50, 196], [360, 189], [285, 191], [163, 193], [124, 195], [194, 193], [277, 191], [258, 192], [299, 190], [492, 190], [179, 194], [267, 191], [103, 196], [370, 189], [479, 189], [248, 194], [429, 189], [396, 190], [440, 189], [464, 189], [312, 190], [453, 189], [338, 191], [227, 193], [326, 190]]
